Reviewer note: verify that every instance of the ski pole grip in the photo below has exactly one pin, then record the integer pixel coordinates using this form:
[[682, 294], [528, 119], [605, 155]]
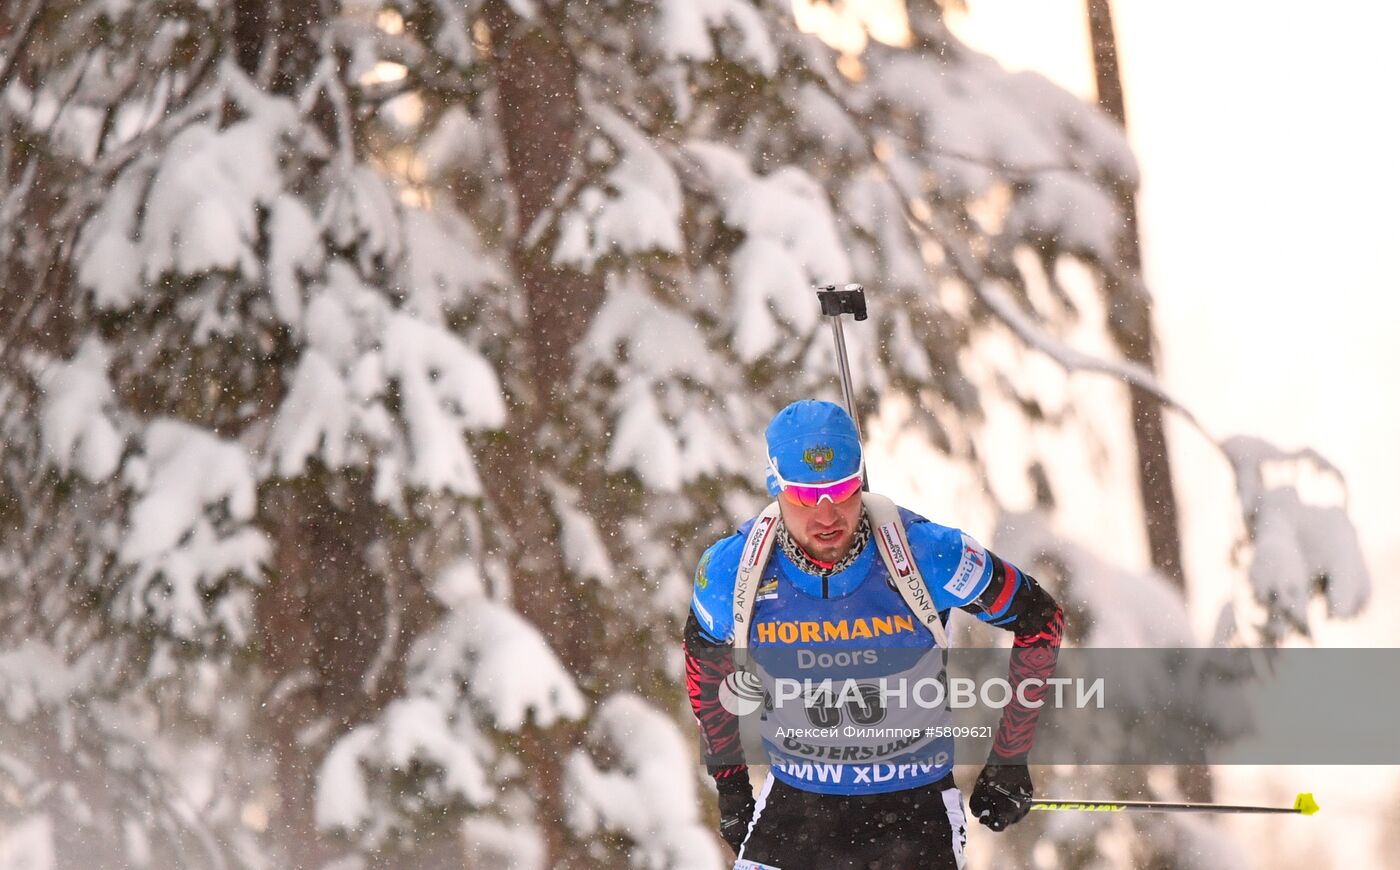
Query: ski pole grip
[[848, 300]]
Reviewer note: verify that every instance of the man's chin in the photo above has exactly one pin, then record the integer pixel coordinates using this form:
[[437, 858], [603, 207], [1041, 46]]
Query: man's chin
[[830, 552]]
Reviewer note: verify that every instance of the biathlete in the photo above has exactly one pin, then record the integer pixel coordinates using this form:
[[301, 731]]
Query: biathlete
[[830, 570]]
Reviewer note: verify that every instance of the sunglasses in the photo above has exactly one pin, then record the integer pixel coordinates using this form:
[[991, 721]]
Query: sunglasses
[[810, 495]]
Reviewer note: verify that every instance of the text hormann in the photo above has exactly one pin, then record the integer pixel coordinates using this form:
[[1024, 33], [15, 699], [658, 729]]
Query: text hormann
[[811, 631]]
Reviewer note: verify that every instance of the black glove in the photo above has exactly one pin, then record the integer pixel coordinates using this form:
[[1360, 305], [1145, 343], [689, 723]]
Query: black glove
[[1002, 795], [735, 811]]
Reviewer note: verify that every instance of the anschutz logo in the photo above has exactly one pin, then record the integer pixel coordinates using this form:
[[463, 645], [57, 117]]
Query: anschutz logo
[[748, 564], [921, 598]]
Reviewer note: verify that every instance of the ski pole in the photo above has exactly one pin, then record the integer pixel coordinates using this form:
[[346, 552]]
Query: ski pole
[[1302, 805], [850, 300]]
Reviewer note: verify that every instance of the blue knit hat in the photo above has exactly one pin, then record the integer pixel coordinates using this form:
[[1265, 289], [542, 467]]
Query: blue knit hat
[[812, 442]]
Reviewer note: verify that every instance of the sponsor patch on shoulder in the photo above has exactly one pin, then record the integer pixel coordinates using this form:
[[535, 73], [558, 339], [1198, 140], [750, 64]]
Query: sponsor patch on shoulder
[[970, 567], [754, 865]]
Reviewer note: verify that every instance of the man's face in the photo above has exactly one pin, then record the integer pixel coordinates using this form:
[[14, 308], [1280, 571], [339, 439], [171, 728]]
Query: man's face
[[825, 531]]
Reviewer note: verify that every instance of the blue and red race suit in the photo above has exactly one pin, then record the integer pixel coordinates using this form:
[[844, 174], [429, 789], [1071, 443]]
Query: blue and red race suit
[[797, 603]]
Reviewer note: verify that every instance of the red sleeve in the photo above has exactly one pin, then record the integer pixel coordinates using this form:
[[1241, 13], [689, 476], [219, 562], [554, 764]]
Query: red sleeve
[[1013, 600], [706, 666], [1033, 656]]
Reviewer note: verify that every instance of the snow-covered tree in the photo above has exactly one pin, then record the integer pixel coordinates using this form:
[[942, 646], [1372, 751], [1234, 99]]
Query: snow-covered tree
[[374, 373]]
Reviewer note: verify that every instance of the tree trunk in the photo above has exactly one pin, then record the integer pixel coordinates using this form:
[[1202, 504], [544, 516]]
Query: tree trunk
[[1130, 323], [331, 630], [539, 113], [319, 624]]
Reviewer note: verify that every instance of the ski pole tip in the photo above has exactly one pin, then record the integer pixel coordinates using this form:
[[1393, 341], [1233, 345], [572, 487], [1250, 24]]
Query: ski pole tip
[[1305, 804]]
